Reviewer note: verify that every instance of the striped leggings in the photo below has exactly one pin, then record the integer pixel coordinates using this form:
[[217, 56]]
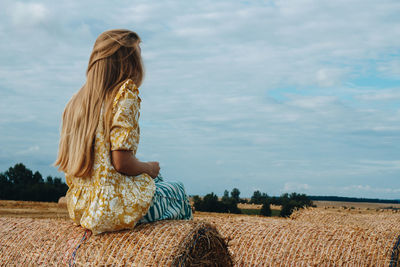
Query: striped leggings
[[170, 202]]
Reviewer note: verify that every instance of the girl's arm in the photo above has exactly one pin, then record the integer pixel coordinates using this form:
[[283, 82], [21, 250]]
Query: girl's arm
[[126, 163]]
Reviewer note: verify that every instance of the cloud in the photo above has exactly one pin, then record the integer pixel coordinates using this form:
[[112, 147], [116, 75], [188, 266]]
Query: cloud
[[236, 94], [28, 14], [312, 102], [295, 187], [382, 95], [390, 68], [369, 189], [329, 77], [382, 165], [29, 151]]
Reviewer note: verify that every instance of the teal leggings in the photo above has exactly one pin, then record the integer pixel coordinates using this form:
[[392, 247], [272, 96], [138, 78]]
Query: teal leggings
[[170, 202]]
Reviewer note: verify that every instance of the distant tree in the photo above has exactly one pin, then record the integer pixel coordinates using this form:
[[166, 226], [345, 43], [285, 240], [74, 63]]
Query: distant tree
[[235, 194], [243, 200], [197, 203], [210, 203], [19, 174], [276, 201], [284, 197], [266, 209], [229, 205], [57, 181], [258, 197], [20, 183], [196, 198], [5, 186], [225, 197], [49, 180], [37, 178], [255, 198], [288, 206], [301, 198], [293, 201]]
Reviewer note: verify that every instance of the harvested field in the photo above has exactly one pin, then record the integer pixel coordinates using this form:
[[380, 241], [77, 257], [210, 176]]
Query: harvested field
[[256, 206], [32, 209], [53, 242], [249, 206], [333, 205], [311, 237], [356, 205]]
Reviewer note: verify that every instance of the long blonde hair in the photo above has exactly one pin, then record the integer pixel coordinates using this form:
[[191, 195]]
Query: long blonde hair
[[114, 59]]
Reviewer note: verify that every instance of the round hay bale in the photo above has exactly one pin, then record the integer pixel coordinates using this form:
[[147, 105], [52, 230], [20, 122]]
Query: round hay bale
[[379, 221], [255, 241], [31, 242]]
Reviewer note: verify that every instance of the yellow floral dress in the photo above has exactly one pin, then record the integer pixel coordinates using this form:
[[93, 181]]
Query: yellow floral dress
[[109, 200]]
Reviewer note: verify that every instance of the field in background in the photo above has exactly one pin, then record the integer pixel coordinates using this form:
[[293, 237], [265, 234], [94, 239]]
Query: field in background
[[33, 209], [254, 209], [332, 204], [55, 210], [355, 205]]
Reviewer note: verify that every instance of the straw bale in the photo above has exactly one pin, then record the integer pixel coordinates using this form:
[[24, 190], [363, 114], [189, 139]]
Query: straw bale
[[54, 242], [379, 221], [260, 241], [311, 237]]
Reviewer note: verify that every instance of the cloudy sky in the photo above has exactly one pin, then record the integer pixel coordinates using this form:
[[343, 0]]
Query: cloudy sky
[[277, 96]]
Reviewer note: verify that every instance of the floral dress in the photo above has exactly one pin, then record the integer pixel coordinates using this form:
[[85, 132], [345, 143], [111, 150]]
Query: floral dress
[[108, 200]]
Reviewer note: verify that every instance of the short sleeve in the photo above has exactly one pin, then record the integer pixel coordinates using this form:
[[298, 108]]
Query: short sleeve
[[124, 133]]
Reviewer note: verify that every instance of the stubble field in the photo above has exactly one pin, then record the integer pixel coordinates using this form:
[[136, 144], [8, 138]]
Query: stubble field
[[33, 209]]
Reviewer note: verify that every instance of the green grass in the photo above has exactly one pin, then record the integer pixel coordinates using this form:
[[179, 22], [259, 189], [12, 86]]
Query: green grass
[[257, 212], [275, 213], [250, 211]]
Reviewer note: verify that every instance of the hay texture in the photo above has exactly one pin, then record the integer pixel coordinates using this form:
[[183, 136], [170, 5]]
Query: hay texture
[[379, 221], [311, 239], [52, 242]]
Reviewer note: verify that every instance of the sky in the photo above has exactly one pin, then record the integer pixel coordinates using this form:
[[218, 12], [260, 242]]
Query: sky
[[277, 96]]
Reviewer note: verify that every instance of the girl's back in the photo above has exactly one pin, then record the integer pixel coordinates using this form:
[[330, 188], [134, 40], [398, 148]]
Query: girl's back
[[109, 188]]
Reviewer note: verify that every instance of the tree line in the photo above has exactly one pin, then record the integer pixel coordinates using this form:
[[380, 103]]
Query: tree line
[[20, 183], [211, 203], [288, 202], [229, 202]]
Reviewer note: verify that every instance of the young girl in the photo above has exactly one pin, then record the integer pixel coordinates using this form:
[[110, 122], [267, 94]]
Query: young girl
[[109, 188]]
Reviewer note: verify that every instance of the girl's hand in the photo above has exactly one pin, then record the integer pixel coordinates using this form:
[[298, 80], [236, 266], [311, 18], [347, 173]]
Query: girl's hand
[[154, 169]]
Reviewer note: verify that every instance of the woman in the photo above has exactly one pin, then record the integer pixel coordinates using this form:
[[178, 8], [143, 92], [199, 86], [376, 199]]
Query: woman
[[109, 188]]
